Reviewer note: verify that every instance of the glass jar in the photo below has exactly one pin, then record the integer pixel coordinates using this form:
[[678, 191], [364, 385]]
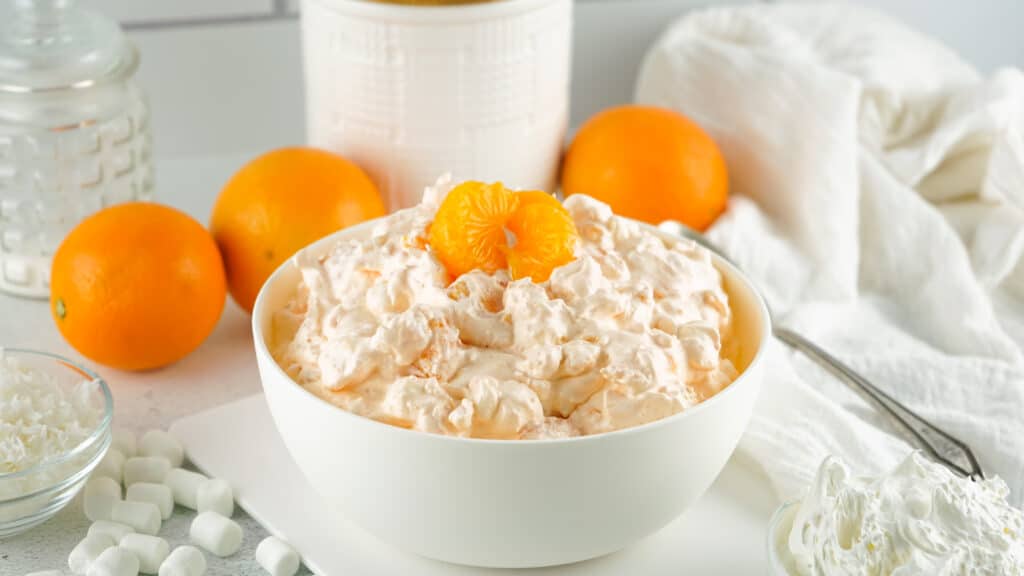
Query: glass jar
[[74, 131]]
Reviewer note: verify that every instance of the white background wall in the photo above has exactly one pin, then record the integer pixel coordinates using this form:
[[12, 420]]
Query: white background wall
[[986, 32], [224, 76]]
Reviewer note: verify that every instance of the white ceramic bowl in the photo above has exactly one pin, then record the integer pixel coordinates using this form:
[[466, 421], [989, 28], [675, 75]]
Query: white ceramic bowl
[[509, 503]]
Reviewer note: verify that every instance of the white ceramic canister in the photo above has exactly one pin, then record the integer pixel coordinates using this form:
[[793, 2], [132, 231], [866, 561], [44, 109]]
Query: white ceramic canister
[[480, 90]]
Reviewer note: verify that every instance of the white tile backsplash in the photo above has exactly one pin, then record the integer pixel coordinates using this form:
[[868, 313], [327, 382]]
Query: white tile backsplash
[[224, 89], [987, 34], [609, 43], [218, 89]]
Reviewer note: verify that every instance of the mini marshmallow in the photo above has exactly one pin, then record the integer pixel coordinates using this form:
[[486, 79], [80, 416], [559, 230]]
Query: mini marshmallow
[[123, 441], [144, 517], [115, 562], [277, 557], [150, 550], [184, 561], [157, 494], [112, 466], [162, 444], [184, 485], [151, 469], [220, 535], [87, 551], [216, 496], [113, 529], [101, 493]]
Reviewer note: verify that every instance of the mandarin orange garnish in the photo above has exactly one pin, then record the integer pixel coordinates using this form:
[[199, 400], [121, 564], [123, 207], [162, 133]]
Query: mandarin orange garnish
[[545, 236], [489, 227], [468, 231]]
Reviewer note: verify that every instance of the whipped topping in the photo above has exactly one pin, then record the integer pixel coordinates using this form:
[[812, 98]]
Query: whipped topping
[[629, 332], [919, 520]]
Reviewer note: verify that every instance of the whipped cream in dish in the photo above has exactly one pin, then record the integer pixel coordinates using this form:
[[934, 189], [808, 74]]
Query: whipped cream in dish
[[918, 520], [634, 329]]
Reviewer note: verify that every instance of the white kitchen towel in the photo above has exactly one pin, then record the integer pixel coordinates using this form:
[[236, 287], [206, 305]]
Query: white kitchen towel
[[878, 201]]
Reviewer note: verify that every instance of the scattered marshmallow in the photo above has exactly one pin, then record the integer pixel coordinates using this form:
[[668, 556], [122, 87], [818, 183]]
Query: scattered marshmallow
[[145, 469], [101, 493], [87, 551], [184, 485], [112, 465], [144, 517], [277, 557], [124, 442], [221, 536], [184, 561], [115, 561], [162, 444], [215, 495], [150, 470], [150, 550], [115, 530], [157, 494]]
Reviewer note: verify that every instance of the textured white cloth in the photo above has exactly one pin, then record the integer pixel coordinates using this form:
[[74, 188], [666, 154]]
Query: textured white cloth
[[878, 202]]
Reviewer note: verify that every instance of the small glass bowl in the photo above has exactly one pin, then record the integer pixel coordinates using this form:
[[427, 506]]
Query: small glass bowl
[[779, 561], [30, 497]]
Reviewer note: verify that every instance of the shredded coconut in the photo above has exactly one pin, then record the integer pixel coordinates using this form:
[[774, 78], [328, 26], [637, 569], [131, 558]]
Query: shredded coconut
[[40, 418]]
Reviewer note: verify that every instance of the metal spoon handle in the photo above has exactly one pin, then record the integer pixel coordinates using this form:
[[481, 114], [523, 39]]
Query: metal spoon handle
[[944, 448]]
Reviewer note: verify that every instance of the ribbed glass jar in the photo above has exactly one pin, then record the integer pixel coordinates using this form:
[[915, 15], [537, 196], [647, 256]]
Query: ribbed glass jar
[[74, 132]]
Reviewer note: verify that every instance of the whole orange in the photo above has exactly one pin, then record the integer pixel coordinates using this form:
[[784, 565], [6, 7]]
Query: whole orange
[[648, 163], [279, 203], [137, 286]]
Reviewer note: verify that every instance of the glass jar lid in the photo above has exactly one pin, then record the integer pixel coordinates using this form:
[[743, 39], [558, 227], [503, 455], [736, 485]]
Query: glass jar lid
[[53, 44]]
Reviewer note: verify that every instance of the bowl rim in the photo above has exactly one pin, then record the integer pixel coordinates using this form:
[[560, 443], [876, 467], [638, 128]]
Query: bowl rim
[[97, 434], [260, 344]]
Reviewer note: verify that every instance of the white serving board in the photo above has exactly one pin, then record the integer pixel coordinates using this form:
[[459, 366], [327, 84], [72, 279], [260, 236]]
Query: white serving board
[[722, 534]]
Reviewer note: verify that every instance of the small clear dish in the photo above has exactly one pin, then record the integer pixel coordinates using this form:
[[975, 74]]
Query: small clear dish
[[33, 495], [780, 563]]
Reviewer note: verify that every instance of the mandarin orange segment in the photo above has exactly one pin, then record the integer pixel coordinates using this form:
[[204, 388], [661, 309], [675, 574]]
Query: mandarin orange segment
[[468, 231], [537, 197], [545, 238], [488, 227]]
